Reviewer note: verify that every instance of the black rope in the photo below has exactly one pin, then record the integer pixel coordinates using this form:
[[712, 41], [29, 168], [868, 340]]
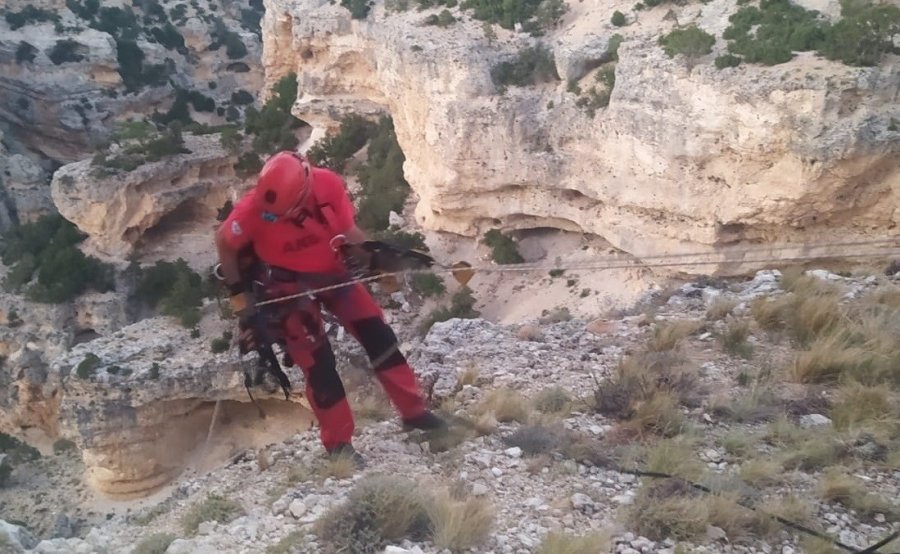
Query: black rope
[[786, 522]]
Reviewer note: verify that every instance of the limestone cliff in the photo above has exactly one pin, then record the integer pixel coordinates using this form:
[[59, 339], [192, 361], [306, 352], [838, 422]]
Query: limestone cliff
[[117, 210], [66, 77], [683, 158]]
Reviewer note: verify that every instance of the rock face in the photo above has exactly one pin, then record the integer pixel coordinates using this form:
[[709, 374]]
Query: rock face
[[116, 211], [63, 105], [681, 160], [142, 408], [33, 334], [24, 194]]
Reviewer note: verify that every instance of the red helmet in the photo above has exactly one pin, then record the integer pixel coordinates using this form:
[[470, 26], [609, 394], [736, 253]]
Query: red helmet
[[283, 184]]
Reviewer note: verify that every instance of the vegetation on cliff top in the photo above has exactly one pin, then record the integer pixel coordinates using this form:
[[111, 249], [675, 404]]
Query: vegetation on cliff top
[[46, 264]]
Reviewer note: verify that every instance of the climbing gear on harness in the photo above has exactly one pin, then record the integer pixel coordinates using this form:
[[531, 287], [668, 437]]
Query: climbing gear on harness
[[374, 257]]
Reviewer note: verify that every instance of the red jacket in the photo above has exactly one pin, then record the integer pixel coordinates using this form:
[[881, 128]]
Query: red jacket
[[302, 244]]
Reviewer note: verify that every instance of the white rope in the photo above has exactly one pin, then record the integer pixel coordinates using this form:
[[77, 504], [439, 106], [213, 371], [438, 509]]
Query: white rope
[[656, 260]]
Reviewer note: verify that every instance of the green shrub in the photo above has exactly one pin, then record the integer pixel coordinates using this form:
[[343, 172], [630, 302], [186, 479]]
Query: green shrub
[[174, 288], [691, 42], [5, 472], [462, 306], [169, 37], [359, 9], [63, 445], [29, 15], [534, 15], [87, 366], [221, 344], [532, 66], [335, 149], [25, 53], [66, 51], [48, 249], [402, 239], [727, 60], [428, 284], [444, 19], [248, 164], [864, 34], [384, 188], [234, 47], [17, 452], [771, 33], [618, 19], [241, 97], [273, 126], [503, 248]]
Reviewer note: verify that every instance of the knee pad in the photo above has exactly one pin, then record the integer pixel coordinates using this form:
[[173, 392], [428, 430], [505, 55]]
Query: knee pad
[[379, 341], [324, 380]]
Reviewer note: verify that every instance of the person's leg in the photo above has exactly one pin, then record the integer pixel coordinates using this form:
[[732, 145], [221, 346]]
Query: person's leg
[[312, 352], [362, 317]]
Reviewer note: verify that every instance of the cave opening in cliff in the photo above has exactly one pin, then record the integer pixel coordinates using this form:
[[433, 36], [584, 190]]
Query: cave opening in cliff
[[237, 428]]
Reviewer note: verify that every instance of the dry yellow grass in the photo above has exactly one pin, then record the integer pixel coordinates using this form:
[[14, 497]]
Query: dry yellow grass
[[761, 473], [459, 524], [553, 400], [857, 405], [720, 307], [658, 415], [506, 405], [836, 485], [564, 543], [734, 338], [770, 313], [669, 335]]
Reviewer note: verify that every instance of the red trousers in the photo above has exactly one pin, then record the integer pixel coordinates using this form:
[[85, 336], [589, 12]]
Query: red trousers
[[308, 345]]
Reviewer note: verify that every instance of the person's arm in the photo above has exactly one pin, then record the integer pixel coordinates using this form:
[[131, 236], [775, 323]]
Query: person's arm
[[228, 258]]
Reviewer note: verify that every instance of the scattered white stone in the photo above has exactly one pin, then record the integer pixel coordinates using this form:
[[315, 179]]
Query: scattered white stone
[[581, 501], [814, 420], [496, 471], [298, 508], [479, 489], [514, 452], [714, 533], [787, 550], [880, 518], [206, 528]]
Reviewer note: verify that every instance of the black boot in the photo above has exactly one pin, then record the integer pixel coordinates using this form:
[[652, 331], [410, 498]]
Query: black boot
[[346, 450], [426, 422]]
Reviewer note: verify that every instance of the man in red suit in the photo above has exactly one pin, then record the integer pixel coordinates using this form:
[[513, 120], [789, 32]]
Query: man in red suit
[[296, 219]]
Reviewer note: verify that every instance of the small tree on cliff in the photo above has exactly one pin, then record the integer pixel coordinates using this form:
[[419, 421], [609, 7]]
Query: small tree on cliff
[[691, 42]]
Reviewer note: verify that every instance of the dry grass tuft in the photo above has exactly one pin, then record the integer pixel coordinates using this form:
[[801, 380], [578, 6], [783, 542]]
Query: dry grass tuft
[[858, 404], [339, 467], [668, 509], [643, 389], [827, 359], [379, 509], [770, 313], [790, 507], [156, 543], [563, 543], [553, 400], [529, 332], [739, 443], [288, 544], [761, 473], [734, 338], [371, 406], [459, 524], [675, 457], [506, 405], [658, 415], [468, 376], [720, 308], [485, 424], [668, 336], [813, 316], [214, 508], [837, 486]]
